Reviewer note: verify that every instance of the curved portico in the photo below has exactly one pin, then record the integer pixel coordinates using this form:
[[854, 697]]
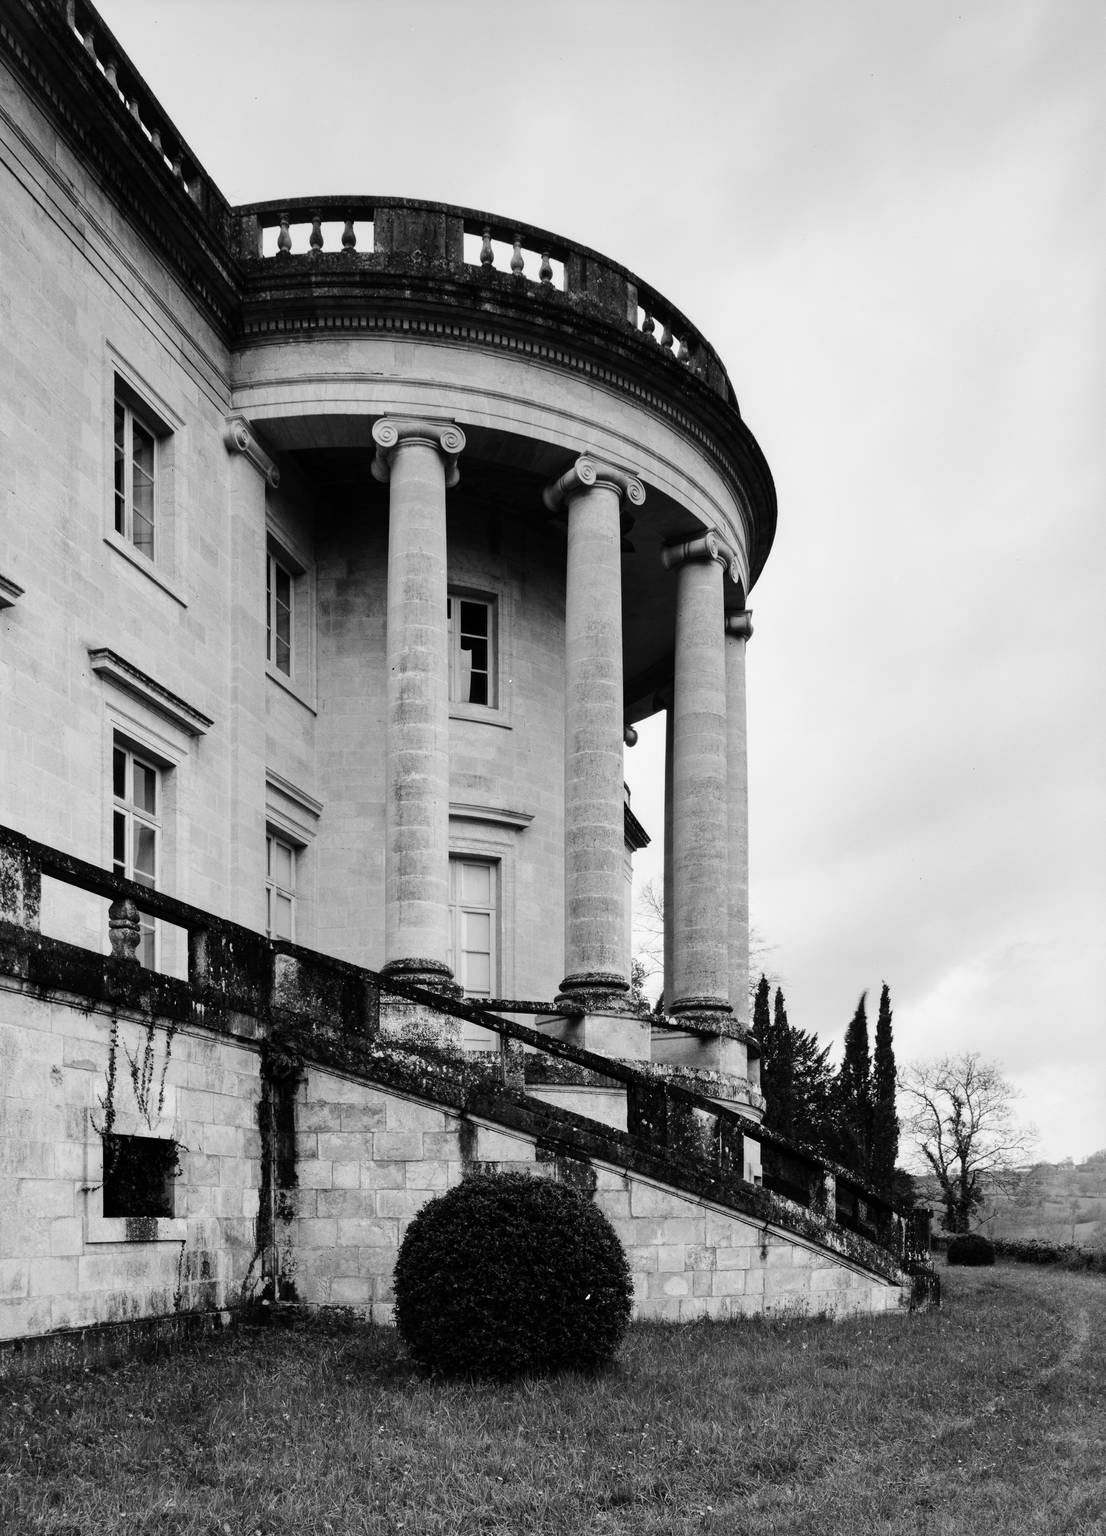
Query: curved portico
[[606, 527]]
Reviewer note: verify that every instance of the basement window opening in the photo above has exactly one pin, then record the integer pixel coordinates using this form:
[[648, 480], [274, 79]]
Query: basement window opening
[[139, 1175]]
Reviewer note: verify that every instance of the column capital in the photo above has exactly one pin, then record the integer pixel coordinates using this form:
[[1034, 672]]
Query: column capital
[[740, 623], [589, 471], [240, 437], [391, 433], [707, 546]]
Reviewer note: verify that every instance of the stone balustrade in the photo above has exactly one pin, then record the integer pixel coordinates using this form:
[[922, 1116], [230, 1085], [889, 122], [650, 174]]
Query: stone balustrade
[[380, 231], [237, 978], [132, 92]]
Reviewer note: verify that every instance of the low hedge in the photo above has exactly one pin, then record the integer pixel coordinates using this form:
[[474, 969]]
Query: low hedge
[[1036, 1250]]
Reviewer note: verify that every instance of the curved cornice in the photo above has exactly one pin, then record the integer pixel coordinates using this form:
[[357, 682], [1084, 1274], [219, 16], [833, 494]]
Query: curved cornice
[[439, 307]]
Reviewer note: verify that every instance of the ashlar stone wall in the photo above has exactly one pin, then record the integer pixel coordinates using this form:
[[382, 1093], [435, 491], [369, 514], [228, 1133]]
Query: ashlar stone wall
[[368, 1160], [63, 1264], [325, 1225]]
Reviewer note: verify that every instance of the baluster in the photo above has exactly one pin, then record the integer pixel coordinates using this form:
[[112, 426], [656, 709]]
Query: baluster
[[124, 929], [71, 14], [89, 40], [134, 109], [155, 140], [284, 239], [316, 239], [545, 271], [111, 74], [487, 255], [517, 262], [349, 237], [648, 325], [666, 337], [683, 356]]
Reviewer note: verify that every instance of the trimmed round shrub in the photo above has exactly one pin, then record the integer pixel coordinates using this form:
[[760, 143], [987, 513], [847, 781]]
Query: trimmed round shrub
[[971, 1248], [508, 1274]]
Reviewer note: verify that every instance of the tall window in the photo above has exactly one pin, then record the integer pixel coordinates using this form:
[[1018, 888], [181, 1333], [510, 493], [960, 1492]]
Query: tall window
[[472, 923], [278, 595], [471, 650], [135, 477], [280, 887], [136, 830]]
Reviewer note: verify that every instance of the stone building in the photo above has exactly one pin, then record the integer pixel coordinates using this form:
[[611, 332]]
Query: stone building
[[345, 541]]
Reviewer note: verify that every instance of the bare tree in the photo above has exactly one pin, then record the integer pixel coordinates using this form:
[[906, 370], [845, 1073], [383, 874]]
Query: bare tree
[[962, 1122]]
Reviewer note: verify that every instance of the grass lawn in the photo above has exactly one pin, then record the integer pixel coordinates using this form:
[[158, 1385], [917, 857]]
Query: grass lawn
[[989, 1416]]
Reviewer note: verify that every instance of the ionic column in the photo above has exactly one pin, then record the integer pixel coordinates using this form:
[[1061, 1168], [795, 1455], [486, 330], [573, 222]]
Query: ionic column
[[700, 983], [418, 459], [738, 630], [595, 950]]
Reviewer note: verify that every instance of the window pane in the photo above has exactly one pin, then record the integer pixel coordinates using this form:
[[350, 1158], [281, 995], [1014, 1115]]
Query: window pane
[[478, 932], [474, 618], [145, 853], [120, 475], [478, 653], [119, 842], [282, 916], [283, 657], [146, 945], [142, 452], [145, 787], [476, 884], [477, 976], [282, 864], [119, 773]]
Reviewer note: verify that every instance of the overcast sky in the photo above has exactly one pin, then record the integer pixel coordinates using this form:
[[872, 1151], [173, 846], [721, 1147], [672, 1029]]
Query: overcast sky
[[889, 219]]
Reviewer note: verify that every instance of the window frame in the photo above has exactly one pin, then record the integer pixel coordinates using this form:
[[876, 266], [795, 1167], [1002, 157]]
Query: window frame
[[457, 910], [277, 563], [124, 506], [273, 888], [125, 808], [125, 389], [455, 598]]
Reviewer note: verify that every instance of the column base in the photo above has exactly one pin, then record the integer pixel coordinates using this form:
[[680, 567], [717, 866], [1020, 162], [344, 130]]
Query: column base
[[608, 1032], [601, 991], [431, 974], [705, 1052], [703, 1012]]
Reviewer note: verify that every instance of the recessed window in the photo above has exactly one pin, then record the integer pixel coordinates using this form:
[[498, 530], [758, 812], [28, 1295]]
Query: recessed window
[[472, 925], [279, 589], [136, 830], [280, 887], [471, 650], [139, 1175], [136, 475]]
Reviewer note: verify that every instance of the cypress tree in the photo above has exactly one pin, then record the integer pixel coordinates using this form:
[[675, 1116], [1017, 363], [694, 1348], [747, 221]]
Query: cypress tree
[[813, 1076], [885, 1120], [778, 1072], [853, 1101], [762, 1019]]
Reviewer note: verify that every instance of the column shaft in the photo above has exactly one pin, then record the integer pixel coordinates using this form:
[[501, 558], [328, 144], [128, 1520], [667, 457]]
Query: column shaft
[[738, 629], [595, 953], [416, 816], [700, 957], [669, 867]]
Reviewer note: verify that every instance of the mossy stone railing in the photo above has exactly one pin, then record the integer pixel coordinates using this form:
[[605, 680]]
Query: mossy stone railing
[[264, 985]]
